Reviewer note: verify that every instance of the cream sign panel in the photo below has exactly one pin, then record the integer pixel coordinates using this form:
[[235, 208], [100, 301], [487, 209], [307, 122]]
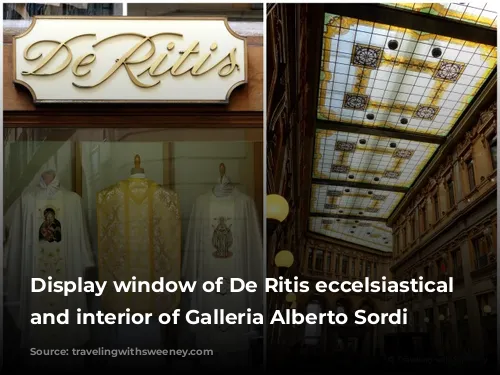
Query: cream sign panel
[[126, 59]]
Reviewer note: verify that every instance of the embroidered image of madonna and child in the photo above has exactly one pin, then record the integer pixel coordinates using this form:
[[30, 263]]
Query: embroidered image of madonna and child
[[50, 230]]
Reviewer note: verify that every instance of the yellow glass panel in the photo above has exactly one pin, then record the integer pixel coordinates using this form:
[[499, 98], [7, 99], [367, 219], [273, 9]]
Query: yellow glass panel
[[353, 157], [353, 201], [479, 13], [384, 76]]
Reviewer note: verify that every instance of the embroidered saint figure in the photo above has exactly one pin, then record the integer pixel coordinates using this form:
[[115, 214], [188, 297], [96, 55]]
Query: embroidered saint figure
[[50, 230], [222, 238]]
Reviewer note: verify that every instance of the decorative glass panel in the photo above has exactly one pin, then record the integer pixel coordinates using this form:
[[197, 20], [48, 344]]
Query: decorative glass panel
[[367, 233], [370, 159], [478, 13], [384, 76], [353, 201]]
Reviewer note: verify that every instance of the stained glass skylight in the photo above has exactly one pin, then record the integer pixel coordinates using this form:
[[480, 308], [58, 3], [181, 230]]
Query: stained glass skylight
[[365, 233], [353, 157], [353, 201], [387, 81], [384, 76], [477, 13]]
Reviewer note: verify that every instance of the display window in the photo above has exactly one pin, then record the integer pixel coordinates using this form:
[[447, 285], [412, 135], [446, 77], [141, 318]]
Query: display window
[[114, 172]]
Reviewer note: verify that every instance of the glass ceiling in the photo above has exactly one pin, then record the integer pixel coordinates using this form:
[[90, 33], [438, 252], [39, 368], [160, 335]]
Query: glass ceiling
[[478, 13], [369, 158], [405, 88], [353, 201], [388, 78]]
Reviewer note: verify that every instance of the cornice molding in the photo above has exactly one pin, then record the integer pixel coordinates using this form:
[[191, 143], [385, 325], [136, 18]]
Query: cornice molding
[[346, 246]]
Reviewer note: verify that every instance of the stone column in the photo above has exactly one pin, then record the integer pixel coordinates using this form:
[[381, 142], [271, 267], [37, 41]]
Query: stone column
[[332, 262], [444, 202], [474, 316], [438, 343], [482, 160], [457, 180], [453, 321], [416, 223], [421, 315]]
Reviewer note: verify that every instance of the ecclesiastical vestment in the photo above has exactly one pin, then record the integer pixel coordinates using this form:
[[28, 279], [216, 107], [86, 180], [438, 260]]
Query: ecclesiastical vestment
[[139, 234], [224, 240], [46, 236]]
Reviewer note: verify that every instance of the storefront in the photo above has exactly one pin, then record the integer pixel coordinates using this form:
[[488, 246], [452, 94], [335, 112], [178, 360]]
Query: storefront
[[98, 101]]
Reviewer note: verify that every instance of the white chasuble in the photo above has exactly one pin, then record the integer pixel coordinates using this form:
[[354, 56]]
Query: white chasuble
[[47, 237], [224, 240]]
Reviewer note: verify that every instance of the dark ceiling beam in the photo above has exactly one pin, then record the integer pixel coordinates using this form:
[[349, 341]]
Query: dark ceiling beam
[[359, 185], [380, 132], [416, 21], [348, 217]]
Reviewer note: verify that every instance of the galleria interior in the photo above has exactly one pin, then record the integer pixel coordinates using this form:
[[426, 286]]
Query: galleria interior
[[381, 138]]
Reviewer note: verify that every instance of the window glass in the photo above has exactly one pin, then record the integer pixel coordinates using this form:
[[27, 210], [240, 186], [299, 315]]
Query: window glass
[[313, 331], [17, 17], [89, 160], [493, 151], [234, 12]]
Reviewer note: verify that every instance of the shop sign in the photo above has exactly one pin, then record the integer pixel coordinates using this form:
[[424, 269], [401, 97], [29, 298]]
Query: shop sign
[[129, 59]]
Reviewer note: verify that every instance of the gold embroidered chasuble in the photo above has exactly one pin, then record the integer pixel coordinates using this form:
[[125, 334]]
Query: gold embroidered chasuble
[[139, 234]]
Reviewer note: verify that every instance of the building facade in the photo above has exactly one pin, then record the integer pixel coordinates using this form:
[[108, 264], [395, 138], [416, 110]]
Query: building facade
[[449, 229], [191, 147]]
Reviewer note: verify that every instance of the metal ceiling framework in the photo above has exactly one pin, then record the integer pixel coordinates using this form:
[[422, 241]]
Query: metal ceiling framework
[[393, 83]]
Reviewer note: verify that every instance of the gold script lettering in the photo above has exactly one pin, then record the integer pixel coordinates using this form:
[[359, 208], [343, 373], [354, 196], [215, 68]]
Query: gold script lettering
[[126, 60], [187, 61], [152, 70], [231, 65], [59, 46], [82, 61]]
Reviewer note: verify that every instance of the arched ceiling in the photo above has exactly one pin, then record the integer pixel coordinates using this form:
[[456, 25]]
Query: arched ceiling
[[388, 97]]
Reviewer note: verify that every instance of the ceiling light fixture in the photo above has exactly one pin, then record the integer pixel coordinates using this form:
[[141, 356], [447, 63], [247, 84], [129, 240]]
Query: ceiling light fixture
[[436, 52], [393, 44]]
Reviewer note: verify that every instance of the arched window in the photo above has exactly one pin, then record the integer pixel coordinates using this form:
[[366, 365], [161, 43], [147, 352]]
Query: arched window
[[312, 334]]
